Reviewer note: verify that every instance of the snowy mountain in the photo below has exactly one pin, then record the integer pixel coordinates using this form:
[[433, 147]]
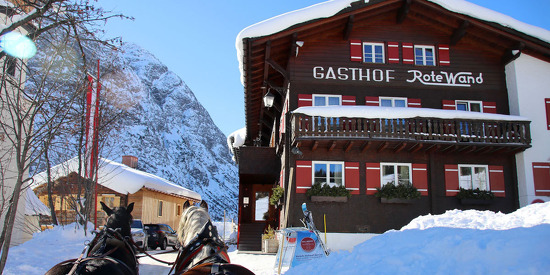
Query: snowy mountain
[[170, 132], [162, 124]]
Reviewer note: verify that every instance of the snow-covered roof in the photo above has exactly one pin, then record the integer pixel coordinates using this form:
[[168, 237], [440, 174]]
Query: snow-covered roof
[[33, 205], [237, 138], [119, 177], [330, 8], [392, 113]]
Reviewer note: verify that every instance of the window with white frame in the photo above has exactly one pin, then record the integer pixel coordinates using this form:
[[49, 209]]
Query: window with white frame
[[473, 176], [469, 105], [393, 102], [328, 172], [424, 55], [395, 173], [327, 100], [373, 52]]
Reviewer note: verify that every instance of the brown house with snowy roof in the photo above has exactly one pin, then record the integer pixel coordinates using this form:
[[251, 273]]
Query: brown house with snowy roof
[[155, 199], [370, 93]]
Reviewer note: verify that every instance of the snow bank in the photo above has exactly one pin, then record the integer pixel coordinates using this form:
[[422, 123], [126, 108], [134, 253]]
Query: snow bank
[[457, 242], [393, 113], [528, 216], [47, 249]]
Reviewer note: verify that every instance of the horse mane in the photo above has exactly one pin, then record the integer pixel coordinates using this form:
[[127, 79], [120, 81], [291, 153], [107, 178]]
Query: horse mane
[[192, 220]]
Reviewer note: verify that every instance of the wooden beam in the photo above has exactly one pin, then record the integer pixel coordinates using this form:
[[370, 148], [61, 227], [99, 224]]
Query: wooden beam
[[400, 147], [415, 148], [314, 146], [403, 11], [432, 148], [467, 149], [460, 32], [365, 146], [382, 146], [513, 53], [332, 145], [277, 67], [348, 146], [349, 27], [449, 148], [267, 57]]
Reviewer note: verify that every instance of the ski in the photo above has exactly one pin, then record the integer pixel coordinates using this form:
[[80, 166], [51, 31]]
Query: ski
[[308, 222]]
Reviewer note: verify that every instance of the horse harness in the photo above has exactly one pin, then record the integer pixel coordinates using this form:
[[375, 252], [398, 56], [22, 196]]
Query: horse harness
[[104, 235], [217, 257]]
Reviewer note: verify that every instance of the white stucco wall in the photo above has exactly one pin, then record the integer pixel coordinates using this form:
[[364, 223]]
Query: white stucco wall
[[528, 81]]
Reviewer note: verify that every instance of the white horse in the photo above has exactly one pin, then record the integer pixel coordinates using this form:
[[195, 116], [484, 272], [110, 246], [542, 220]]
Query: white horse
[[202, 250]]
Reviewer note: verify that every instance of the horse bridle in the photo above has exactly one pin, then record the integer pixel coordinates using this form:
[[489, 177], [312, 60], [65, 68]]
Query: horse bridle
[[208, 236], [107, 232]]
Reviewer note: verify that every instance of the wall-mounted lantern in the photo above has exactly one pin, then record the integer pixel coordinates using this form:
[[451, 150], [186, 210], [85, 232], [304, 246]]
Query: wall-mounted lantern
[[268, 99]]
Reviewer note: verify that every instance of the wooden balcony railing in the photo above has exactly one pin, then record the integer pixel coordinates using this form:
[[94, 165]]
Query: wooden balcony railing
[[420, 129]]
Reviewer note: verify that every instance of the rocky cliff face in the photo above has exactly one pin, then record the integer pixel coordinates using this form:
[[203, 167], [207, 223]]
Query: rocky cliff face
[[172, 134], [164, 126]]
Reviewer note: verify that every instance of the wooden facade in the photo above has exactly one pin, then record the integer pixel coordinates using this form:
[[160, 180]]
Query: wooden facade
[[151, 206], [433, 59]]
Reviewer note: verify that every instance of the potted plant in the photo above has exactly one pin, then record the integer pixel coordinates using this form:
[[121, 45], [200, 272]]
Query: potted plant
[[276, 198], [325, 193], [269, 241], [400, 193], [475, 196]]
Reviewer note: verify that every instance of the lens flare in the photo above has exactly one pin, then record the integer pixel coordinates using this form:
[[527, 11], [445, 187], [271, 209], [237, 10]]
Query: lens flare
[[18, 45]]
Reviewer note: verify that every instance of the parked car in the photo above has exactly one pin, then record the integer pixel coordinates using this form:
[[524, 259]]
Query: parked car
[[138, 234], [161, 235]]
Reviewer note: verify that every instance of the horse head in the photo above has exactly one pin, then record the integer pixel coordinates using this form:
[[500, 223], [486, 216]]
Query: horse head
[[191, 222], [119, 217]]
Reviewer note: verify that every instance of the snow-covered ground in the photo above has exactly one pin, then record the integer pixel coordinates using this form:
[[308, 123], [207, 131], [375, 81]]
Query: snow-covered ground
[[457, 242]]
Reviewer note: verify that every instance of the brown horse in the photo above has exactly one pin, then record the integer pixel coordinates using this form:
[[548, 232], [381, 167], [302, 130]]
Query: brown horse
[[110, 252], [203, 252]]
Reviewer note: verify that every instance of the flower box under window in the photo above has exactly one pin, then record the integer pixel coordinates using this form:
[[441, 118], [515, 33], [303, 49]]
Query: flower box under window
[[328, 199]]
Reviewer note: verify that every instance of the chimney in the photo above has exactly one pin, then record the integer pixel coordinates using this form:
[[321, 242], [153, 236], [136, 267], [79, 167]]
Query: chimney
[[130, 161]]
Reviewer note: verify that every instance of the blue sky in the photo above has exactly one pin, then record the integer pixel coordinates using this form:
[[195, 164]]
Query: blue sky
[[196, 40]]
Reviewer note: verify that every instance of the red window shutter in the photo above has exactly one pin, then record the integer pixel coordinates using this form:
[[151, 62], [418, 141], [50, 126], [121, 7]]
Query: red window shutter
[[444, 59], [372, 101], [449, 104], [373, 177], [541, 176], [420, 178], [490, 107], [356, 50], [408, 53], [348, 100], [351, 170], [496, 180], [451, 180], [303, 176], [305, 100], [547, 103], [393, 52], [414, 103]]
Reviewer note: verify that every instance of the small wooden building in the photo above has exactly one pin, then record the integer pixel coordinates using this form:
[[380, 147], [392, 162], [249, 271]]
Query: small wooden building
[[156, 200], [372, 92]]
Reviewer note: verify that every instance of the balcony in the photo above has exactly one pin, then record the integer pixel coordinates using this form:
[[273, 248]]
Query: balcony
[[441, 130]]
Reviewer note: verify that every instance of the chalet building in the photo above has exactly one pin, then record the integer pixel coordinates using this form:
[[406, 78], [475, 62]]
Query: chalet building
[[156, 200], [367, 93]]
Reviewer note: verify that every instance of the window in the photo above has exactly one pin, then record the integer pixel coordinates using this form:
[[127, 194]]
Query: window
[[11, 65], [472, 106], [327, 100], [395, 173], [373, 52], [331, 173], [424, 55], [178, 209], [160, 208], [473, 177], [393, 102]]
